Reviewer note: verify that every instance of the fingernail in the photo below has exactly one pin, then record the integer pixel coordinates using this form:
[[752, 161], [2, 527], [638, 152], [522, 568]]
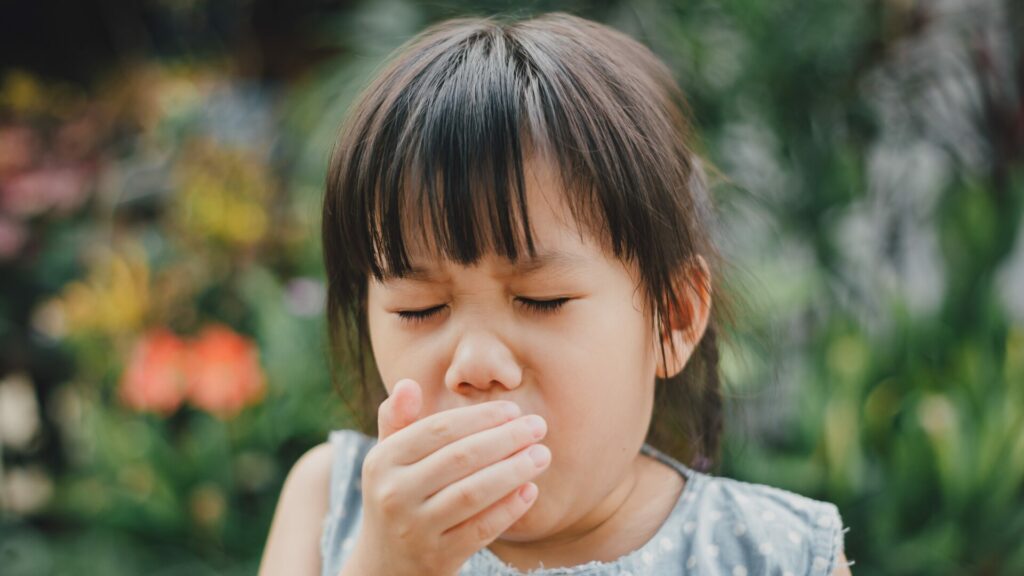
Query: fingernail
[[511, 409], [528, 492], [394, 389], [537, 425], [540, 455]]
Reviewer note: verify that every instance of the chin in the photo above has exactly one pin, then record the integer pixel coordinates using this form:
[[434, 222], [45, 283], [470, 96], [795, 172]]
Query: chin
[[526, 529], [516, 534]]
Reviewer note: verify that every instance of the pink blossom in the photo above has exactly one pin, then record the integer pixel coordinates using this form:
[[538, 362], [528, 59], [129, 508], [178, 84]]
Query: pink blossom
[[31, 193]]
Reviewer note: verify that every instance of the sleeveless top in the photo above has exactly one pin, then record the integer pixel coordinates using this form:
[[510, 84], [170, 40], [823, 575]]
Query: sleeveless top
[[717, 526]]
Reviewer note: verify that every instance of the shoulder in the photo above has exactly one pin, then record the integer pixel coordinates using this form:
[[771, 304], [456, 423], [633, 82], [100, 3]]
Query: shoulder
[[308, 481], [768, 530], [319, 508], [313, 465], [293, 543]]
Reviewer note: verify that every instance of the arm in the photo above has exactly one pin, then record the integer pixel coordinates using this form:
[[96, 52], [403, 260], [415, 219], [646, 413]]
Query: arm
[[293, 546]]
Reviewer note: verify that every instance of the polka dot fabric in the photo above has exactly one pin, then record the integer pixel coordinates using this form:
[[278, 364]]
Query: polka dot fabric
[[719, 526]]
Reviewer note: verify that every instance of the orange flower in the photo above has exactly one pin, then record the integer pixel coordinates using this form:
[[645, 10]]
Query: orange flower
[[224, 373], [153, 380]]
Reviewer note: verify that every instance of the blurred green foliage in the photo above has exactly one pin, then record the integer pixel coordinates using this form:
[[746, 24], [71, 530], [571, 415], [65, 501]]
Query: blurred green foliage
[[873, 163]]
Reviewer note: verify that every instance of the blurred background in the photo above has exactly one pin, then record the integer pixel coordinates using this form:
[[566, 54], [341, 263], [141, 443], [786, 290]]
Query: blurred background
[[162, 354]]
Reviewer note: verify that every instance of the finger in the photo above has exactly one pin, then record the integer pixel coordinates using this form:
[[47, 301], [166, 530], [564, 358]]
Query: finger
[[474, 452], [400, 409], [462, 500], [484, 528], [431, 433]]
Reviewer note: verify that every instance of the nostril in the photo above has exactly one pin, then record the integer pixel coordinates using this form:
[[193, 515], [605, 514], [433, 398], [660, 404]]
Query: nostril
[[467, 386]]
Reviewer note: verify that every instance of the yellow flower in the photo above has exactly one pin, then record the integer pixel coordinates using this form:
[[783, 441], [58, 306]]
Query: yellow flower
[[113, 299], [223, 193]]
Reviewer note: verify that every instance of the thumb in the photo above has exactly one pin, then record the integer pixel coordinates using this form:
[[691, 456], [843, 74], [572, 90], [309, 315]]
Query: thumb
[[400, 409]]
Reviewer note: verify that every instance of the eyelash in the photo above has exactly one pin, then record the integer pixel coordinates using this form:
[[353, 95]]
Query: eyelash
[[540, 306]]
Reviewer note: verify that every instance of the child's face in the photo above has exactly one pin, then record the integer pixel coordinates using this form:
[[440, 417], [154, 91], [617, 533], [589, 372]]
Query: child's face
[[587, 367]]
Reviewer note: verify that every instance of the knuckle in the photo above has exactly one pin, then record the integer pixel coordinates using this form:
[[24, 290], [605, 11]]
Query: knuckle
[[405, 532], [462, 458], [467, 497], [388, 497], [484, 530], [441, 429]]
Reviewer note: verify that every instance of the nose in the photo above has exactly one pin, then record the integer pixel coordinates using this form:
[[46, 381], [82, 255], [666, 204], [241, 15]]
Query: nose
[[480, 362]]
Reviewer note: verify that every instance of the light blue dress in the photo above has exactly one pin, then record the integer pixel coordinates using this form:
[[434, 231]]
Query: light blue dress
[[719, 526]]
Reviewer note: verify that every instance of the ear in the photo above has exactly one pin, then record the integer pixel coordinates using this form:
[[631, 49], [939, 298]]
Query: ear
[[687, 322]]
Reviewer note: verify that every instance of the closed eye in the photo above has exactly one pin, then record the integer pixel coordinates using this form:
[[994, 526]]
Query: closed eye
[[540, 306], [414, 316], [543, 305]]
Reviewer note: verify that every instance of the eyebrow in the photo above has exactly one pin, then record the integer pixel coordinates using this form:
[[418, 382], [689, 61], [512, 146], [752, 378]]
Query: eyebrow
[[552, 262]]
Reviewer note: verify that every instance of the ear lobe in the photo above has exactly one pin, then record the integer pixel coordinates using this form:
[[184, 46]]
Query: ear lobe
[[687, 322]]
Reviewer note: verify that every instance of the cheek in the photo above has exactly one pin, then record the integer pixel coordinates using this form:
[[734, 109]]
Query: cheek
[[603, 337], [387, 344], [600, 371], [399, 355]]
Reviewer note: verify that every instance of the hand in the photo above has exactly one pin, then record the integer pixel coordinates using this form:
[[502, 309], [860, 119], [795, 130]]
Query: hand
[[438, 489]]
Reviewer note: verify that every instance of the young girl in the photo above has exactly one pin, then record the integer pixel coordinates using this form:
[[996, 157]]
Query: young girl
[[516, 229]]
